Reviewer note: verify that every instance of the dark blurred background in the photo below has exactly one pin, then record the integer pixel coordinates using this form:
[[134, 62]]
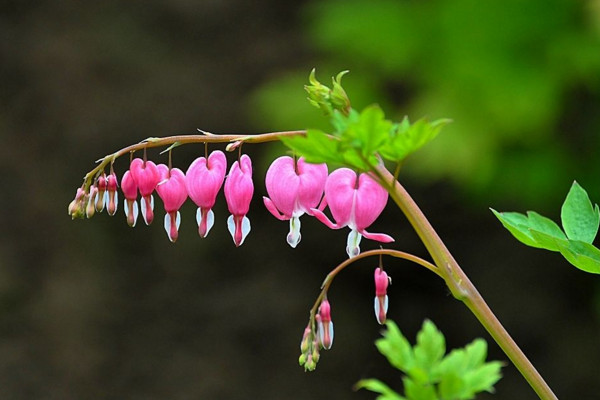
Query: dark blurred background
[[96, 310]]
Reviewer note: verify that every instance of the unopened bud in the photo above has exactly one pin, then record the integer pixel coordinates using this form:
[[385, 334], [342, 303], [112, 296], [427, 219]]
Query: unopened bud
[[112, 196], [380, 304], [101, 185], [325, 325]]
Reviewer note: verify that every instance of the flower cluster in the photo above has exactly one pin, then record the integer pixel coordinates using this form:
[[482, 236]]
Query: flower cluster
[[318, 334], [294, 188]]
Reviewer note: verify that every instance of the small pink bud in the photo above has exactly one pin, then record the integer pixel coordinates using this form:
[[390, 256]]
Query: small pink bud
[[294, 189], [172, 190], [129, 188], [325, 325], [146, 175], [381, 299], [101, 185], [112, 197], [355, 203], [238, 193], [204, 179]]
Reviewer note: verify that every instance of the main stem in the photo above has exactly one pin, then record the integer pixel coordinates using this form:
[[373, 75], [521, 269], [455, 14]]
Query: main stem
[[460, 285]]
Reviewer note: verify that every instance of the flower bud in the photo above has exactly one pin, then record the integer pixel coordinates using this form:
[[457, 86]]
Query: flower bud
[[101, 185], [112, 197], [381, 299], [130, 189], [77, 206], [325, 325]]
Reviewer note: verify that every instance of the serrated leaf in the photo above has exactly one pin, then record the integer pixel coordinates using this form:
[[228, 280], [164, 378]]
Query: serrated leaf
[[407, 138], [475, 353], [518, 225], [580, 219], [533, 230], [582, 255], [430, 347], [417, 391], [369, 132], [396, 348], [452, 387], [315, 147], [483, 378], [375, 385]]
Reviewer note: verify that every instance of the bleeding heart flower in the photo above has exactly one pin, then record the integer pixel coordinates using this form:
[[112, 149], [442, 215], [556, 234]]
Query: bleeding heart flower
[[101, 185], [355, 205], [173, 192], [129, 188], [238, 193], [204, 179], [146, 175], [294, 189], [325, 325], [112, 197], [382, 281]]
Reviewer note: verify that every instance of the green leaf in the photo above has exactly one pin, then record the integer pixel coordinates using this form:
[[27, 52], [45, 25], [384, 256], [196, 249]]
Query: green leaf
[[580, 218], [375, 385], [430, 347], [407, 138], [368, 133], [482, 379], [452, 387], [315, 147], [533, 230], [418, 391], [518, 225], [582, 255], [396, 348]]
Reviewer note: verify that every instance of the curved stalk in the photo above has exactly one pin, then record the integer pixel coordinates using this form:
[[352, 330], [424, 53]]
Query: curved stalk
[[460, 285], [388, 252]]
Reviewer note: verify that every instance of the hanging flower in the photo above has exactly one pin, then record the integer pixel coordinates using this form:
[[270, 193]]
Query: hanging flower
[[101, 185], [382, 280], [238, 193], [130, 189], [146, 175], [294, 189], [112, 197], [325, 325], [204, 179], [355, 205], [172, 190]]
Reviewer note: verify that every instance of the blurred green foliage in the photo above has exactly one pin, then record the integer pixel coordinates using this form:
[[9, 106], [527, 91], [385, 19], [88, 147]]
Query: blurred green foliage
[[521, 80]]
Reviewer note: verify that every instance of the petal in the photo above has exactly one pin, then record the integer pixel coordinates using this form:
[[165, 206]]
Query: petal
[[239, 187], [147, 207], [273, 209], [323, 218], [380, 305], [379, 237], [206, 220], [340, 192], [371, 199], [282, 183], [352, 244], [172, 222], [312, 183], [239, 227], [204, 178], [293, 237]]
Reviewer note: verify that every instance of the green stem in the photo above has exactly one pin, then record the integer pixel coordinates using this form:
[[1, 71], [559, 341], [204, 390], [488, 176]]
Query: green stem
[[460, 285]]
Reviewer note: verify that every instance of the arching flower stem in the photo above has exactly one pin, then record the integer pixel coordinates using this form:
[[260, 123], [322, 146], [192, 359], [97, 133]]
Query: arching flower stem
[[205, 137], [459, 284], [386, 252]]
